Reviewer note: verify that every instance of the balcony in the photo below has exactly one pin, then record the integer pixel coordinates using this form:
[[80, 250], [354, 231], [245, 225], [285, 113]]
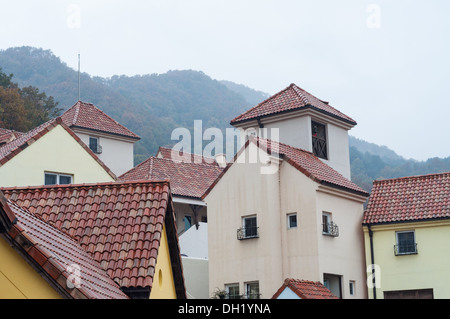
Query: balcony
[[330, 229], [247, 233], [405, 249]]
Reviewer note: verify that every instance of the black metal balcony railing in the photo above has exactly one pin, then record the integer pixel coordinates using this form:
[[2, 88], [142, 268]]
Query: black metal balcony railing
[[330, 229], [247, 233], [405, 249]]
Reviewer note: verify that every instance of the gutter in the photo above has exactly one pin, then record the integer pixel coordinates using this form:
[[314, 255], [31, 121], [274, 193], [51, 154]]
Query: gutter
[[373, 261]]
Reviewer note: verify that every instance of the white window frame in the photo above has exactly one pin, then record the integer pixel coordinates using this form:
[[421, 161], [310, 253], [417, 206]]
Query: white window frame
[[58, 178], [289, 225], [255, 235]]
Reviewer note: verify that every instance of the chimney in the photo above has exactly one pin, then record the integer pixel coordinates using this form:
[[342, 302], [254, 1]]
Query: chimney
[[221, 160]]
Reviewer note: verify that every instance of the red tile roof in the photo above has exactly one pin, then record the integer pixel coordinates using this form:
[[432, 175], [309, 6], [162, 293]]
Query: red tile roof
[[87, 116], [189, 179], [290, 99], [118, 224], [59, 256], [304, 161], [414, 198], [306, 289], [14, 147]]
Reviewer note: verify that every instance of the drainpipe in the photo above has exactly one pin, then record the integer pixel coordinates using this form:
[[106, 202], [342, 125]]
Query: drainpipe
[[373, 262]]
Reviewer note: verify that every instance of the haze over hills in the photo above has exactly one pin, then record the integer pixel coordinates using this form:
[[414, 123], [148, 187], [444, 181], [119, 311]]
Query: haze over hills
[[153, 105]]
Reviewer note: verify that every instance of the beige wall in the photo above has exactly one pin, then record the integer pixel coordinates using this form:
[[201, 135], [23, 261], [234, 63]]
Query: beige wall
[[57, 152], [278, 253]]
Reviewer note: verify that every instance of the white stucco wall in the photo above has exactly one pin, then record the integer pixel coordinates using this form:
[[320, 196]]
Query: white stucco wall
[[117, 154]]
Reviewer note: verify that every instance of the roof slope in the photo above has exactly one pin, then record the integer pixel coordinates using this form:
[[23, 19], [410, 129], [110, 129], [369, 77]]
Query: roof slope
[[290, 99], [188, 179], [56, 253], [411, 198], [17, 145], [118, 224], [87, 116], [304, 161], [306, 289]]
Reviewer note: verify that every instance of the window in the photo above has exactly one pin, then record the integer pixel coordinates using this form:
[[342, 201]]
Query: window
[[232, 291], [292, 220], [252, 290], [319, 140], [187, 222], [329, 228], [406, 243], [57, 179], [351, 287], [94, 145], [249, 228]]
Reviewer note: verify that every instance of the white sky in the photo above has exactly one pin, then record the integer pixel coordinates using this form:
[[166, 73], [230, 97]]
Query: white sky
[[385, 63]]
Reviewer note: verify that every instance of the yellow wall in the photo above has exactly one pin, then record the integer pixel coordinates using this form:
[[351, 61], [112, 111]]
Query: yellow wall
[[163, 282], [430, 268], [57, 151], [18, 280]]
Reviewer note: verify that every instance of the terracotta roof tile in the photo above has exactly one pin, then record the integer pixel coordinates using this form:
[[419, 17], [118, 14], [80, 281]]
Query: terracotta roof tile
[[306, 289], [58, 254], [290, 99], [190, 179], [86, 115], [409, 199], [111, 232]]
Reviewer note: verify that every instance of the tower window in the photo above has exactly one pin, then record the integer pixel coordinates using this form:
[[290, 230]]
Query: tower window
[[319, 140]]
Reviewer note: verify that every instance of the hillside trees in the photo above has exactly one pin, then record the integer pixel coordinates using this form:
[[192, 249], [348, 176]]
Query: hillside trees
[[22, 109]]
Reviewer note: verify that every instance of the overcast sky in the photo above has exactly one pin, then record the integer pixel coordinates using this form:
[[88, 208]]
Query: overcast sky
[[384, 63]]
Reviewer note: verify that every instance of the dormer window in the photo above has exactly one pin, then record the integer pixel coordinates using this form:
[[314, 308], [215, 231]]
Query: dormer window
[[319, 140]]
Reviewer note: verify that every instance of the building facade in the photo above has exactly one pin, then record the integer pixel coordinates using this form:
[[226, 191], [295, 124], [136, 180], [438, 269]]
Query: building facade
[[406, 223]]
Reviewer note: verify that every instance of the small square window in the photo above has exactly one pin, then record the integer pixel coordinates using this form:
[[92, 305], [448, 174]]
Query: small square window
[[406, 243], [94, 145], [292, 220], [249, 228]]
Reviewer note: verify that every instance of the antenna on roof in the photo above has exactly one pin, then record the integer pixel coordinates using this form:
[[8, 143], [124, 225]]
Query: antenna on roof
[[78, 77]]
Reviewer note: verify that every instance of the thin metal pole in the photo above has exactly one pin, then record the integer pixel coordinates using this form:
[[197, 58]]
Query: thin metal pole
[[78, 77]]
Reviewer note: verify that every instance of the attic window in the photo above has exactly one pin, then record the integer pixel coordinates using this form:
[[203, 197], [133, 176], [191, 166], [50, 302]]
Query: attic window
[[319, 140], [57, 179]]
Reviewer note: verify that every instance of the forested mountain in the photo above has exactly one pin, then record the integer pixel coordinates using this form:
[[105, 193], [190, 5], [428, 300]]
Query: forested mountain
[[154, 105]]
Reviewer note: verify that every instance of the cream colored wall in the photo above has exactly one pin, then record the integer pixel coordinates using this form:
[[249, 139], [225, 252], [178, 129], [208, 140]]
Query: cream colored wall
[[195, 272], [57, 151], [163, 286], [343, 255], [427, 269], [300, 245], [18, 280], [279, 252], [117, 154], [243, 191]]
